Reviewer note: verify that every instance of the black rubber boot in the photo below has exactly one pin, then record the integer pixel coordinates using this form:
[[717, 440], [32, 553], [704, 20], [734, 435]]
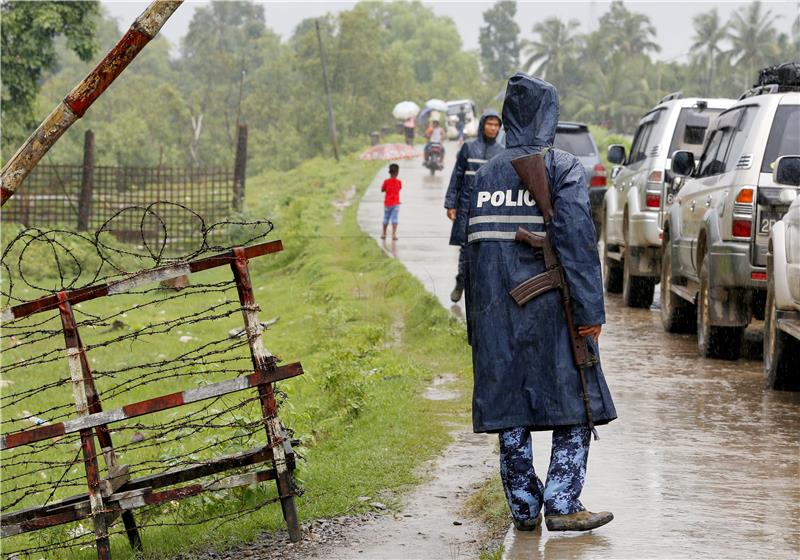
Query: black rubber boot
[[579, 521], [455, 295], [528, 524]]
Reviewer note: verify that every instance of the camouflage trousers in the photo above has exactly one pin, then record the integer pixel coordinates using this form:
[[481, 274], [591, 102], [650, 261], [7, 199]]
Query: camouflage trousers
[[524, 491]]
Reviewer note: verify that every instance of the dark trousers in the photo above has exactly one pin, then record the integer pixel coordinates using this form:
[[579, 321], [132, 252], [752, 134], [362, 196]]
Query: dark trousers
[[462, 265], [524, 491], [409, 135]]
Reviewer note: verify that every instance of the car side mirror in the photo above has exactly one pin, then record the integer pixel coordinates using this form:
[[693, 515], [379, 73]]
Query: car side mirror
[[616, 154], [682, 163], [787, 171]]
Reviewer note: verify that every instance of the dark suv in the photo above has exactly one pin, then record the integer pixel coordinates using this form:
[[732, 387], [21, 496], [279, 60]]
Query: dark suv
[[576, 139]]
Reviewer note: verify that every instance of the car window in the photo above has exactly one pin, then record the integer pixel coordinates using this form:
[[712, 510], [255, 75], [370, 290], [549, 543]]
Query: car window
[[740, 133], [576, 142], [784, 137], [690, 130], [712, 161], [639, 142]]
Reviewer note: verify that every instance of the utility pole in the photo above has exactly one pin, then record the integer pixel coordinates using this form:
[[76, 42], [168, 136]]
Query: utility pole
[[331, 121]]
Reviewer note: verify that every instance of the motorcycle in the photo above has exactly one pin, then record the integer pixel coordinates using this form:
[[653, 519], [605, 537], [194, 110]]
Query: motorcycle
[[435, 160]]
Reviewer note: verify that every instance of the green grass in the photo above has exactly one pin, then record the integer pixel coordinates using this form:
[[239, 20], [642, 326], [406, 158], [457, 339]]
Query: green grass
[[488, 504], [369, 337]]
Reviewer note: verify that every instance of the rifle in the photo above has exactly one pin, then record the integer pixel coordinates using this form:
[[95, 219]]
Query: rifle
[[533, 175]]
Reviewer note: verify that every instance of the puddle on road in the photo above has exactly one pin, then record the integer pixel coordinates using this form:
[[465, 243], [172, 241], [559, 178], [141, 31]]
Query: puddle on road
[[438, 391], [704, 461]]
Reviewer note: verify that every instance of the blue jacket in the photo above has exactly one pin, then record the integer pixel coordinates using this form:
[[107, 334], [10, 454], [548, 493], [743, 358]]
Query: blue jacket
[[471, 157], [523, 370]]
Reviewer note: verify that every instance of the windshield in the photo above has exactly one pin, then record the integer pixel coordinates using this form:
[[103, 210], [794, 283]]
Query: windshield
[[578, 143], [784, 138], [690, 131]]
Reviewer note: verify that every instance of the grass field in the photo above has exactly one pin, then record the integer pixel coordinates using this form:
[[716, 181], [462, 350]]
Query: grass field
[[370, 339]]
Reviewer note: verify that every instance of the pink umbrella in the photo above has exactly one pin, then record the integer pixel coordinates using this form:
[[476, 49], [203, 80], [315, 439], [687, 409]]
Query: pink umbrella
[[390, 151]]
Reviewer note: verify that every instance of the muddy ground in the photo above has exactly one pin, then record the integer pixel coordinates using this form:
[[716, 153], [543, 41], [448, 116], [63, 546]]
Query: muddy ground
[[702, 462]]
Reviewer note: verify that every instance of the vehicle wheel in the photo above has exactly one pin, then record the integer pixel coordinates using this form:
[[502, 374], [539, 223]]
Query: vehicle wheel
[[714, 342], [780, 349], [433, 171], [612, 271], [677, 314], [637, 291]]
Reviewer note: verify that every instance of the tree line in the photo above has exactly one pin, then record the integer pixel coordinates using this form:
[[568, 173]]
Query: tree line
[[609, 77], [182, 108]]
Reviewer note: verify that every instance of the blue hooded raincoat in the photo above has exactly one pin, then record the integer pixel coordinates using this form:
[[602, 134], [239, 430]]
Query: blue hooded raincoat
[[523, 369], [471, 157]]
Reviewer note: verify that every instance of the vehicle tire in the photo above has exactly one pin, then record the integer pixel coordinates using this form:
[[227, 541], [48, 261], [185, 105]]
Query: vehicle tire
[[714, 342], [677, 314], [612, 271], [781, 351], [637, 291], [433, 171]]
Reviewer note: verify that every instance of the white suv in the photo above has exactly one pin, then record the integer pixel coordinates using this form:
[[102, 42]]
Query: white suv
[[641, 184], [782, 323], [716, 232]]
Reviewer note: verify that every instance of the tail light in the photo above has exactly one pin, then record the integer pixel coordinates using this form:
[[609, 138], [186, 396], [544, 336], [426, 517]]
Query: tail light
[[652, 200], [598, 176], [652, 197], [742, 222], [741, 228]]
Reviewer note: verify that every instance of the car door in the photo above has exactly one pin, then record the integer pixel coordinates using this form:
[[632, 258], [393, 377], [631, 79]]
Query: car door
[[700, 196], [624, 180]]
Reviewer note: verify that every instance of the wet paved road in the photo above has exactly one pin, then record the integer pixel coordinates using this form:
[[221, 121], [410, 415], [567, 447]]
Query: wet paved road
[[703, 460]]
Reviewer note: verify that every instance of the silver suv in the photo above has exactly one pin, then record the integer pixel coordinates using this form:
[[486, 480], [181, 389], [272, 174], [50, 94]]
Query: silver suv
[[782, 321], [716, 232], [641, 187]]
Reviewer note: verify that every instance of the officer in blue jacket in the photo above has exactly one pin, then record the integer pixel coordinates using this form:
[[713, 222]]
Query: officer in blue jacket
[[471, 157], [524, 377]]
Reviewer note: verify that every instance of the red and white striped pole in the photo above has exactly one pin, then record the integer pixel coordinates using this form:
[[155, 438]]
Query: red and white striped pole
[[75, 104]]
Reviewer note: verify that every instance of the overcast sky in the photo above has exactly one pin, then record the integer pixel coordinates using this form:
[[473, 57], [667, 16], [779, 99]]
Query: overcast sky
[[673, 20]]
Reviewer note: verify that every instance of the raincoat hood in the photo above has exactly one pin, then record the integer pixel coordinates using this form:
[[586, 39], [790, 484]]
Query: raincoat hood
[[530, 112], [486, 114]]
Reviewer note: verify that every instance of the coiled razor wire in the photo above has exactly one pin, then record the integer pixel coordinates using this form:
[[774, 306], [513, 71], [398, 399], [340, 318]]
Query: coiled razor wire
[[158, 243], [139, 344]]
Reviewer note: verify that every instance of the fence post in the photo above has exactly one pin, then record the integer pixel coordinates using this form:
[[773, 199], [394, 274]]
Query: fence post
[[87, 401], [239, 169], [264, 361], [87, 182]]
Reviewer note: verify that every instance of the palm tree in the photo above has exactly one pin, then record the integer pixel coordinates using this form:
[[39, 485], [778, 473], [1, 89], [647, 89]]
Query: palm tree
[[752, 37], [630, 33], [556, 45], [708, 35], [614, 96]]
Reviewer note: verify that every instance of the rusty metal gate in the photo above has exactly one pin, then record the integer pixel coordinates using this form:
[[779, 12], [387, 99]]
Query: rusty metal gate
[[115, 493]]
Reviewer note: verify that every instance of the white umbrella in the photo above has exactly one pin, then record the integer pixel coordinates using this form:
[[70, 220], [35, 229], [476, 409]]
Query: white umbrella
[[437, 105], [405, 110]]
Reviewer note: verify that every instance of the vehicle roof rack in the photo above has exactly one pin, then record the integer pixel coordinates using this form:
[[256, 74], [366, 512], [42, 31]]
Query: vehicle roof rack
[[670, 97], [760, 90]]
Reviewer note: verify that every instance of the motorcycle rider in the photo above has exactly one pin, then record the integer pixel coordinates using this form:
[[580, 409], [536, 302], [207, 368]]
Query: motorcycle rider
[[435, 135], [471, 157]]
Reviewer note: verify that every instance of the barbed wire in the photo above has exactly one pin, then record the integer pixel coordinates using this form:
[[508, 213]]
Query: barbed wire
[[82, 259], [140, 344]]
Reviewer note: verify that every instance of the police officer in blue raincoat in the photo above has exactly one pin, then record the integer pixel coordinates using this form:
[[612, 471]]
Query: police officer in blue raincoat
[[524, 377], [471, 157]]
